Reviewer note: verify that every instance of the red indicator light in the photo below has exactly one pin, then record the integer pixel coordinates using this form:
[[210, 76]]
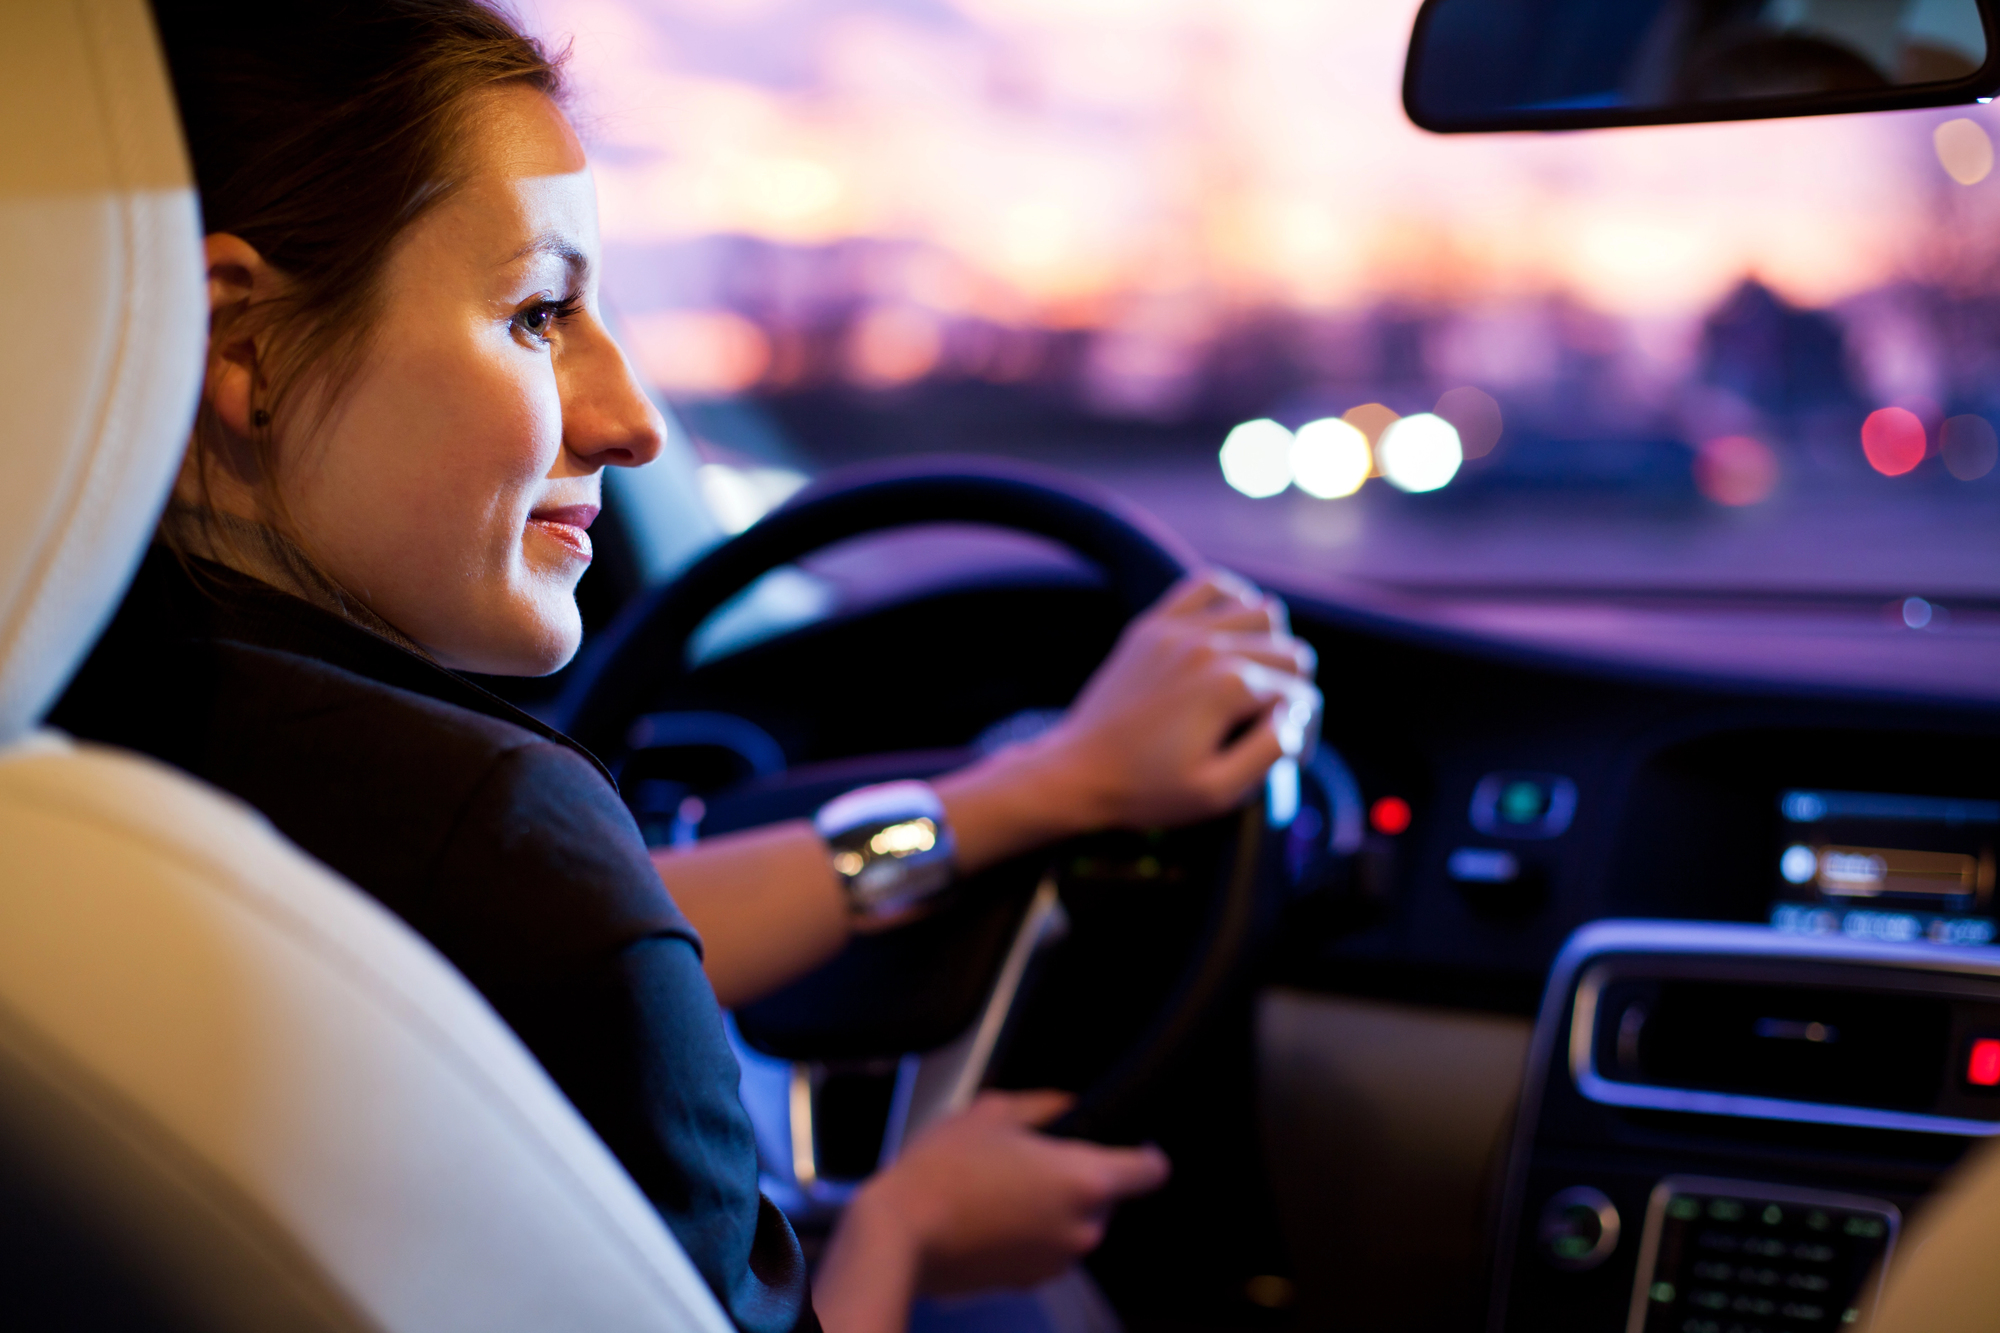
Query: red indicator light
[[1391, 815], [1983, 1069]]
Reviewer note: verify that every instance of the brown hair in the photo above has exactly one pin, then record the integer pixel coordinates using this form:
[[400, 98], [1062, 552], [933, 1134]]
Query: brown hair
[[320, 131]]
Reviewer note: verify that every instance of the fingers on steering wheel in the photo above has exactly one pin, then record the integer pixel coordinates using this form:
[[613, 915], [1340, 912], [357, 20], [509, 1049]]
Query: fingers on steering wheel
[[1243, 763], [1294, 656], [1208, 591]]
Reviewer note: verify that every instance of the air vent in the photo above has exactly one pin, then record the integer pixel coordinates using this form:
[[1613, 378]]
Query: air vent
[[1853, 1046]]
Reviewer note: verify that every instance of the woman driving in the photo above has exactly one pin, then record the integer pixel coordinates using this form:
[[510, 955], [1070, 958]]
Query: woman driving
[[410, 401]]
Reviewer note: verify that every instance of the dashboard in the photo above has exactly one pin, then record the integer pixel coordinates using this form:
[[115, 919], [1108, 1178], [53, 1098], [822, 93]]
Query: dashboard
[[1544, 791], [1747, 920]]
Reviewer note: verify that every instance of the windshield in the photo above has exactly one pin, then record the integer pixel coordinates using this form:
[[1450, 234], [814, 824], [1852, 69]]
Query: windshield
[[1747, 358]]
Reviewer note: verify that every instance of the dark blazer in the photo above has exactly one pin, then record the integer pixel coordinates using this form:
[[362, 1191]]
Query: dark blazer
[[498, 838]]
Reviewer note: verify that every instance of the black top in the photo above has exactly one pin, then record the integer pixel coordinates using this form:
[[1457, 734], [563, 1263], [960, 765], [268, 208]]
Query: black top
[[498, 838]]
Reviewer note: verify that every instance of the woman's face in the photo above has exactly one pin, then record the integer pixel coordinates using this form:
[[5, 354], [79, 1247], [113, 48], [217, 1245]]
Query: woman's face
[[452, 484]]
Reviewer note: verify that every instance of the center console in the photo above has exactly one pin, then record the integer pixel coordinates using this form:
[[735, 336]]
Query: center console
[[1723, 1126]]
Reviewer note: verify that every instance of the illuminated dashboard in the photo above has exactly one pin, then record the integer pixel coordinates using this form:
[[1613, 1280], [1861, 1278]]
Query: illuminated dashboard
[[1890, 867]]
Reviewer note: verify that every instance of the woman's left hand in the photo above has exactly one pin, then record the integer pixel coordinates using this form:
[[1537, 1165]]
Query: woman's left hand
[[1202, 694]]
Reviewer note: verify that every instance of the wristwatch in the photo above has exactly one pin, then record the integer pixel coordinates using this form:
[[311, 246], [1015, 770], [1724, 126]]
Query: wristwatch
[[889, 844]]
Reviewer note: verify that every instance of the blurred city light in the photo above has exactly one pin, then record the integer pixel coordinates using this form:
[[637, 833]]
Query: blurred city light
[[1735, 470], [1371, 419], [1420, 453], [1083, 230], [1969, 446], [893, 345], [1476, 417], [697, 353], [1330, 458], [1893, 438], [1964, 150], [1257, 458]]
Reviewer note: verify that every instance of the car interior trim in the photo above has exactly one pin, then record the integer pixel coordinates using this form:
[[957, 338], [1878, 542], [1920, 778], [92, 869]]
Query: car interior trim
[[1664, 1192], [1609, 1092]]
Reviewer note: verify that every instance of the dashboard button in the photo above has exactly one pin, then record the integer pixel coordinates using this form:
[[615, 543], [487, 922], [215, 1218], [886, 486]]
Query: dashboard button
[[1523, 805], [1483, 865], [1578, 1229]]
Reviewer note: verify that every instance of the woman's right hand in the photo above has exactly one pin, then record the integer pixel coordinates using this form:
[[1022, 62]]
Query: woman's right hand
[[989, 1201], [992, 1202]]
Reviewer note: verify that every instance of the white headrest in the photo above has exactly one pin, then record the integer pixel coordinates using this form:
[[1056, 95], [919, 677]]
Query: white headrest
[[99, 220]]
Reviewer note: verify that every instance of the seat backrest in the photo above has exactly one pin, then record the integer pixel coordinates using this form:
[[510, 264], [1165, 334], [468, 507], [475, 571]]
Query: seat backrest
[[235, 1093], [1944, 1278]]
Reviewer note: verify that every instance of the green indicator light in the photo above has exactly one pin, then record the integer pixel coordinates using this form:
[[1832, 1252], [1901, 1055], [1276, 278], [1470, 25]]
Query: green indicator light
[[1663, 1292], [1773, 1215], [1725, 1210], [1572, 1247], [1523, 802], [1818, 1221], [1871, 1227], [1684, 1210], [1851, 1315]]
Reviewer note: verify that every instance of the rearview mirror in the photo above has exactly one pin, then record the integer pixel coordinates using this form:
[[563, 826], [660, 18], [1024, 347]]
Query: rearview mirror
[[1485, 65]]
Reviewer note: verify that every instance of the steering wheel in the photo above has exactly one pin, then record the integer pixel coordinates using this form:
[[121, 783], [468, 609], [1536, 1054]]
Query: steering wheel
[[1172, 916]]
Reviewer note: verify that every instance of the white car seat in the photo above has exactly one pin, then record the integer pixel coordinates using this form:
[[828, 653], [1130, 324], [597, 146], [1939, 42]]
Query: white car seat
[[234, 1092], [1944, 1278]]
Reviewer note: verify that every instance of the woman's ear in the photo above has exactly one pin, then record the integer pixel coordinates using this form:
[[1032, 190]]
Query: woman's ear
[[238, 279]]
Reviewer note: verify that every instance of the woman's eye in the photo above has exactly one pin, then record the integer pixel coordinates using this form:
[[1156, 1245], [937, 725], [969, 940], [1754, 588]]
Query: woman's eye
[[540, 319]]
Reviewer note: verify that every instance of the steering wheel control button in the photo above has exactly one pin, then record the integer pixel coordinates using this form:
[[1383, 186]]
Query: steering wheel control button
[[1578, 1229], [1496, 882], [1731, 1253], [1523, 805], [1483, 865]]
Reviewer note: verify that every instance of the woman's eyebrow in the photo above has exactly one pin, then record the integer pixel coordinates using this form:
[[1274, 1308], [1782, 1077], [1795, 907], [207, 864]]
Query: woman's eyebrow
[[558, 245]]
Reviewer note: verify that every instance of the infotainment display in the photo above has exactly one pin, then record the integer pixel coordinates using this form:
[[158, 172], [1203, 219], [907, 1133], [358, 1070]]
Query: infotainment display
[[1882, 866]]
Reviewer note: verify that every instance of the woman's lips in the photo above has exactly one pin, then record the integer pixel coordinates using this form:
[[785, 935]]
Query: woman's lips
[[566, 526]]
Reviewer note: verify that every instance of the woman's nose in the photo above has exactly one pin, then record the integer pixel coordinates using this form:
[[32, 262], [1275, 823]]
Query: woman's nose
[[608, 421]]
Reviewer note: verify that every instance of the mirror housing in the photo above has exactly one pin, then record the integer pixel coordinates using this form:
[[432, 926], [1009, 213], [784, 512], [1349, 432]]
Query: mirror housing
[[1483, 66]]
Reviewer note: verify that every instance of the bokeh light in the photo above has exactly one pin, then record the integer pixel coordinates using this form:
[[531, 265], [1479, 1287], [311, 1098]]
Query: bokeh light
[[1476, 417], [1390, 815], [1964, 150], [1257, 458], [698, 353], [1736, 470], [1969, 446], [1330, 458], [1078, 231], [893, 345], [1894, 440], [1420, 453], [1371, 419]]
